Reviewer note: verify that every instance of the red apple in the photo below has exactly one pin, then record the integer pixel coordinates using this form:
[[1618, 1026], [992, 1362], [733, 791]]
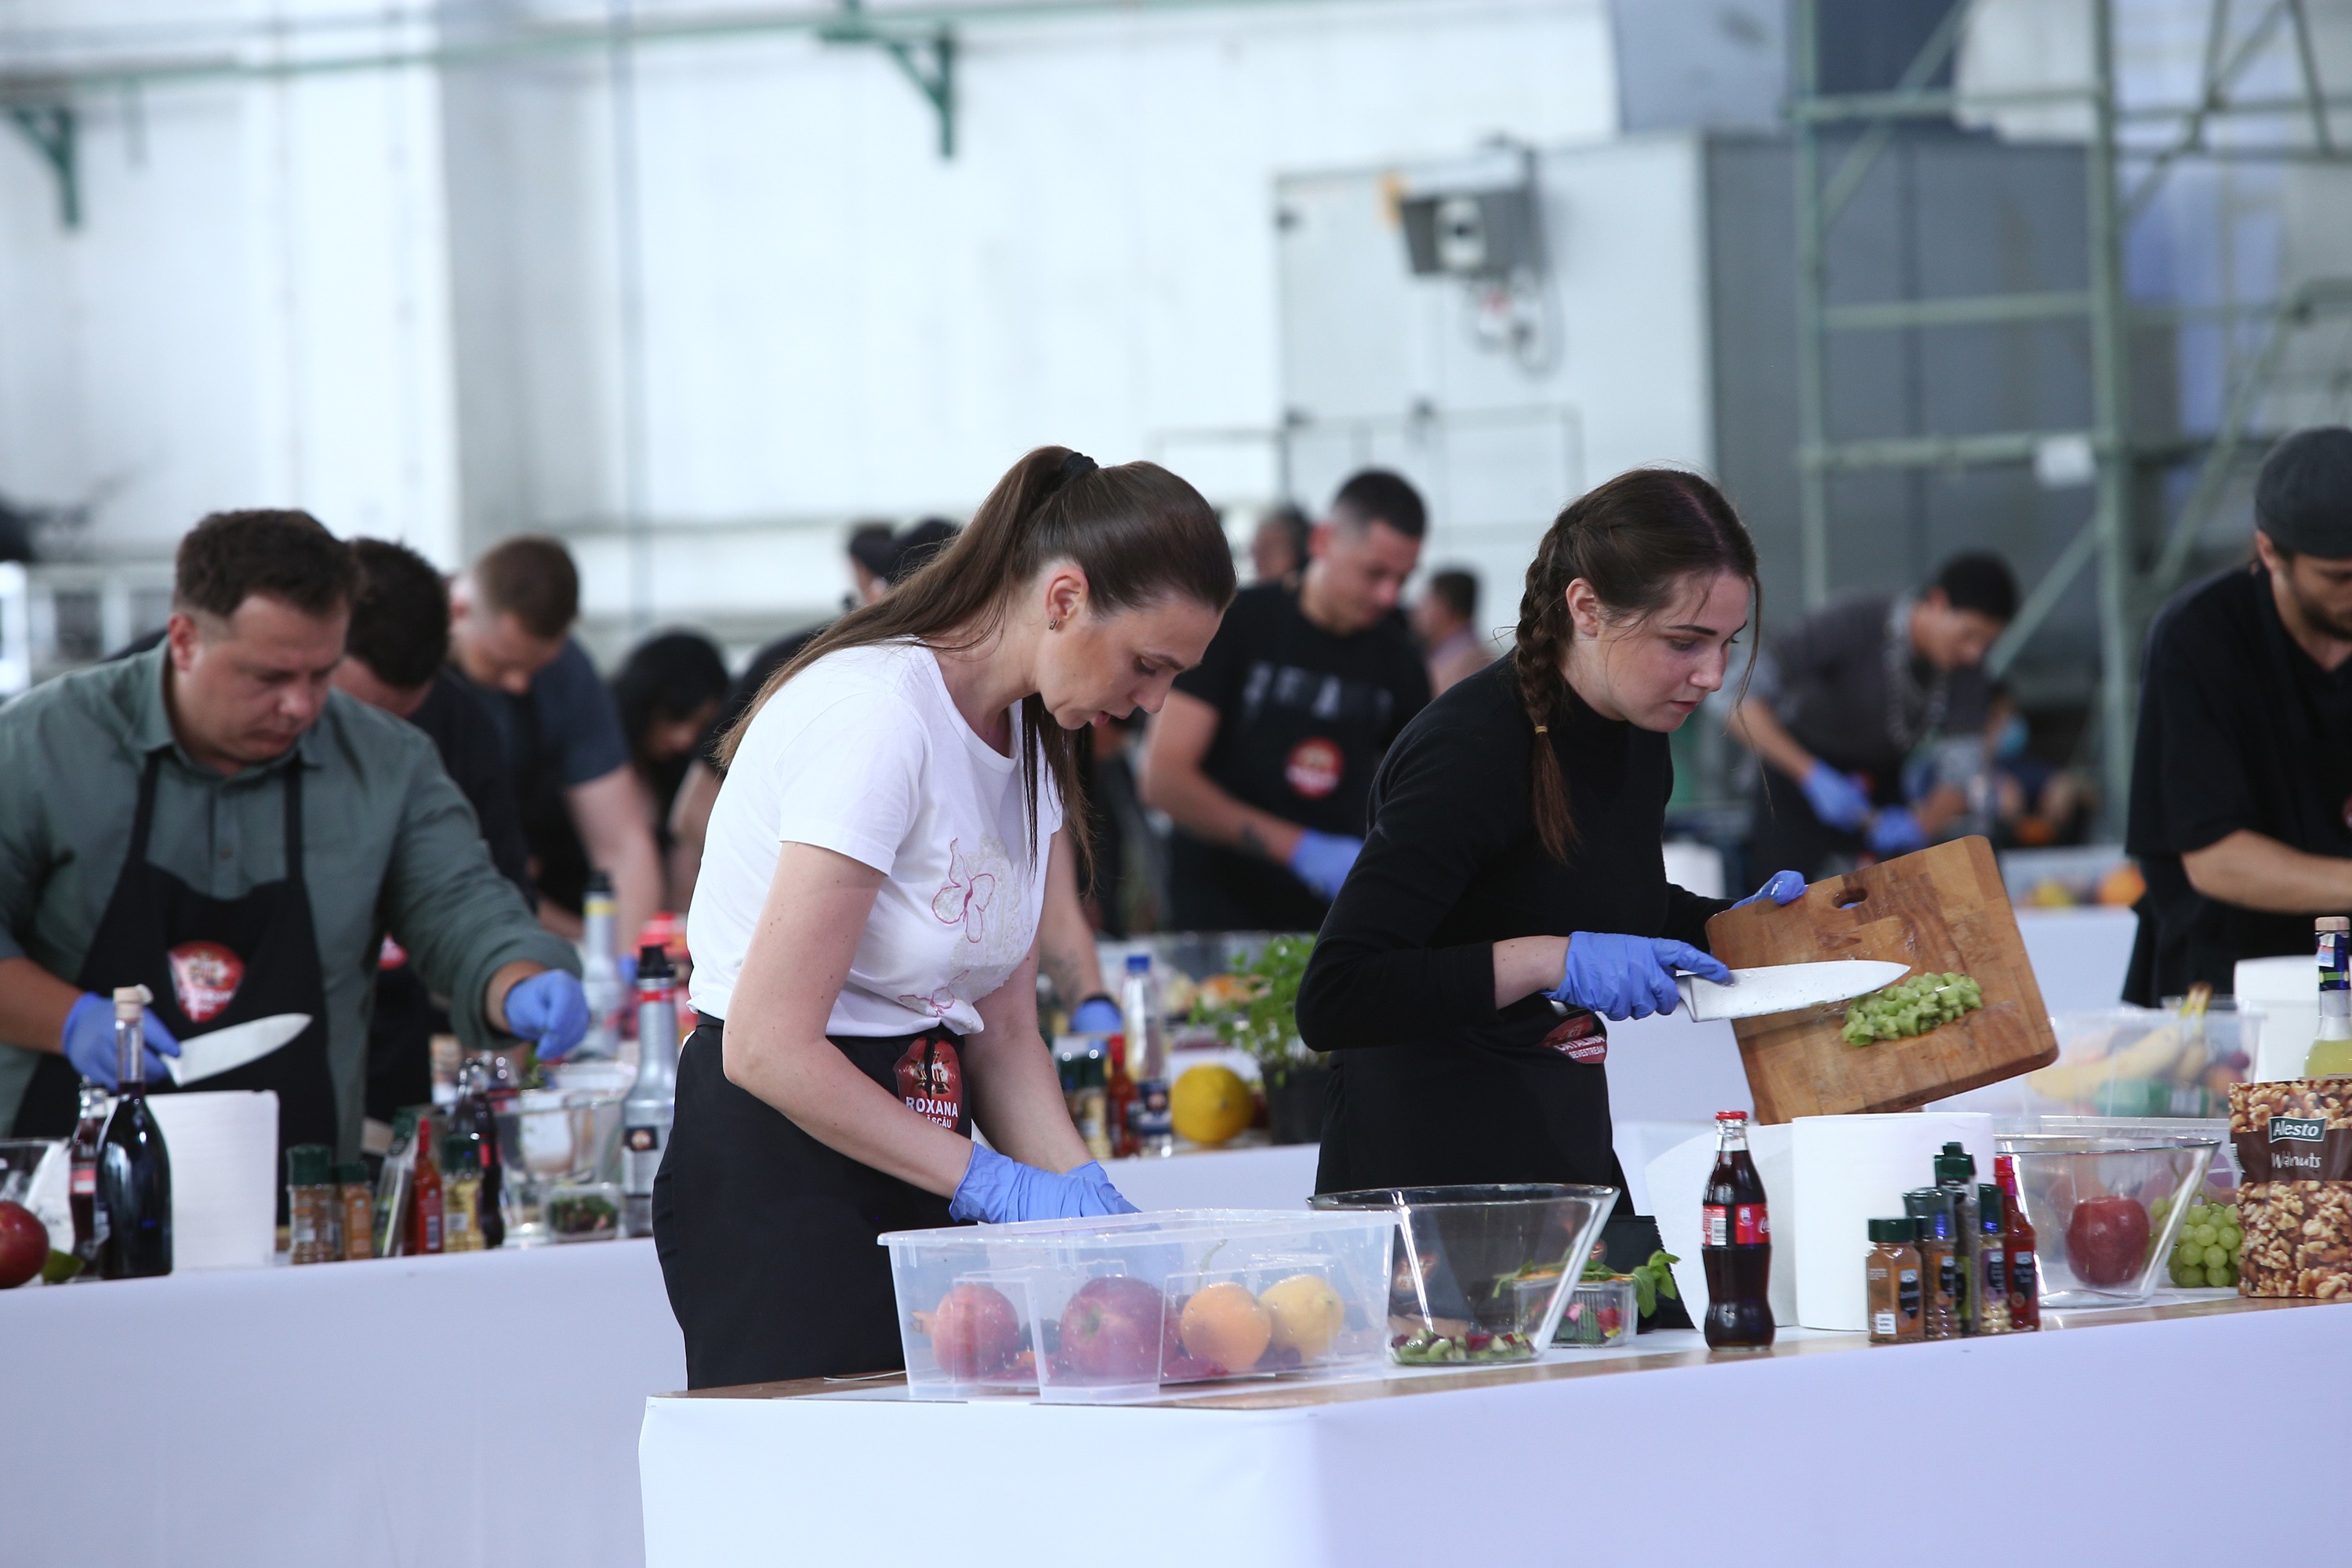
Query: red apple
[[24, 1245], [974, 1331], [2106, 1240], [1115, 1329]]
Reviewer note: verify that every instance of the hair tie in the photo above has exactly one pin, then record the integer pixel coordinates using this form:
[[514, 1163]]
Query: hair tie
[[1076, 466], [1542, 730]]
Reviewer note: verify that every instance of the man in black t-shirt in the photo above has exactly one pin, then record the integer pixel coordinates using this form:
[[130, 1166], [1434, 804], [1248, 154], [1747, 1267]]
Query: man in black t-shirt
[[2241, 772], [1838, 703], [1265, 752]]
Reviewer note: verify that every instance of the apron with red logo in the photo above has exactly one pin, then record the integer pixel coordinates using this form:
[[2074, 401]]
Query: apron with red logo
[[210, 963]]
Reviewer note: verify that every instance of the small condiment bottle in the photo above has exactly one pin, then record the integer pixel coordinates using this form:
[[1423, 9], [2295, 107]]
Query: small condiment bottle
[[312, 1211], [461, 1195], [1992, 1263], [2017, 1231], [1897, 1302], [1955, 1173], [424, 1189], [357, 1200], [1930, 1209]]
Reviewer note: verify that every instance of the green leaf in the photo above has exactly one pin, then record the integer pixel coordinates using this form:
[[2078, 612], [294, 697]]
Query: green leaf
[[1265, 1022]]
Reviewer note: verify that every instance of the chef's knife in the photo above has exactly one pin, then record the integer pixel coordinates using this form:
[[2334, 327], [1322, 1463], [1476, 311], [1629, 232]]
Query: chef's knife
[[1785, 987], [224, 1050]]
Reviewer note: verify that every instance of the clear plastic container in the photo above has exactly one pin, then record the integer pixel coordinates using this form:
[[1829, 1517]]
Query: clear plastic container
[[1481, 1272], [553, 1139], [1104, 1310], [1600, 1312]]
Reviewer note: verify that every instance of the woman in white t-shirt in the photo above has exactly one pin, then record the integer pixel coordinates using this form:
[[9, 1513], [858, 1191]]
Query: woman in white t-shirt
[[864, 928]]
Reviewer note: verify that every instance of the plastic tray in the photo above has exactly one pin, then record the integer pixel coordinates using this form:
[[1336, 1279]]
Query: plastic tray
[[1113, 1309]]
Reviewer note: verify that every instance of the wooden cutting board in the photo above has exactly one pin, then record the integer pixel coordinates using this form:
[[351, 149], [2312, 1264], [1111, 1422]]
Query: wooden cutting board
[[1941, 909]]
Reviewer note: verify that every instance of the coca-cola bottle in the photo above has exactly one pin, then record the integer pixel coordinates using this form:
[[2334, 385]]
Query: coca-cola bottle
[[1735, 1236]]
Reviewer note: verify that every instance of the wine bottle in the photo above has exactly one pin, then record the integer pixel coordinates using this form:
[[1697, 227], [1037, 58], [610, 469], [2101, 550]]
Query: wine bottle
[[134, 1169]]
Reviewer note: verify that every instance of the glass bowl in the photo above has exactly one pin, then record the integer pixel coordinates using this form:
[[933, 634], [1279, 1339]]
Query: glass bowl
[[550, 1139], [2105, 1208], [1481, 1273]]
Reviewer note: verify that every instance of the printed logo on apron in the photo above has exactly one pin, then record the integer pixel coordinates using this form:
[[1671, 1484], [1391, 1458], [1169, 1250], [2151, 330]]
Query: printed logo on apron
[[931, 1080], [1315, 767], [1580, 1038], [391, 956], [204, 976]]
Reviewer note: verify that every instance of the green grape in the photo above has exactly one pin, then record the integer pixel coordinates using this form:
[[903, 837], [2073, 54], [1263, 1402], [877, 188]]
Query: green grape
[[2227, 1276], [2233, 1239], [2204, 1235], [2189, 1277], [2215, 1257], [2197, 1214]]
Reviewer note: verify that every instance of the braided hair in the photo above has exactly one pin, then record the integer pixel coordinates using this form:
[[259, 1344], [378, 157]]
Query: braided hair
[[1635, 539]]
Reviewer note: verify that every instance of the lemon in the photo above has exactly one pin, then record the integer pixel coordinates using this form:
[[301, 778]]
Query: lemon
[[1210, 1104], [1307, 1314]]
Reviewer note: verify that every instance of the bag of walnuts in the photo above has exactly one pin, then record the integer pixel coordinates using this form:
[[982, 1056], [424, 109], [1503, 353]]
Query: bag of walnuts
[[2293, 1139]]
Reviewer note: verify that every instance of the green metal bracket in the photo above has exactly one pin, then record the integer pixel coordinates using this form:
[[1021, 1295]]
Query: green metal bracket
[[51, 130], [937, 83]]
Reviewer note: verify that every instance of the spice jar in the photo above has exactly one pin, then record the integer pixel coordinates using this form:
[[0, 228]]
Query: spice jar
[[1992, 1282], [1931, 1210], [1891, 1278], [461, 1195], [312, 1210], [356, 1198]]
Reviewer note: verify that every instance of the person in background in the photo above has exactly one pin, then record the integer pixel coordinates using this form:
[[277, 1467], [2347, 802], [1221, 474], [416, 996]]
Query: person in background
[[1278, 548], [878, 560], [214, 820], [1265, 755], [669, 691], [1841, 700], [395, 658], [1443, 621], [511, 617], [2241, 769]]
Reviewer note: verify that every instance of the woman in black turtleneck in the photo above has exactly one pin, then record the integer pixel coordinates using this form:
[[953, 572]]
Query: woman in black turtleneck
[[1512, 886]]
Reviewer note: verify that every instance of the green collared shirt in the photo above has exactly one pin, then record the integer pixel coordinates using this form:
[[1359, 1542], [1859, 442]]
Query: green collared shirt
[[389, 845]]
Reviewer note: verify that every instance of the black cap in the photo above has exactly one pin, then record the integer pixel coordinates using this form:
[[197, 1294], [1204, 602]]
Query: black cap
[[2302, 499], [1931, 1209], [1955, 1165], [1893, 1232], [652, 960], [1989, 1210]]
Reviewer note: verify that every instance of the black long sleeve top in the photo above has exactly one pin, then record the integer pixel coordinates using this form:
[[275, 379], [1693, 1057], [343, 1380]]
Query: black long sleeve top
[[1434, 1085]]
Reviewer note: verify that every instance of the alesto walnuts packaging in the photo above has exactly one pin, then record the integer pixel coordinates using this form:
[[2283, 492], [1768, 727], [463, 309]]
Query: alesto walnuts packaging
[[2294, 1140]]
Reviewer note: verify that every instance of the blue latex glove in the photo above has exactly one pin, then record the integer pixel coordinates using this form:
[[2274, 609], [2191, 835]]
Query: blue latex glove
[[1620, 976], [1322, 860], [1835, 798], [89, 1041], [551, 1011], [1095, 1015], [1894, 831], [1780, 887], [998, 1191]]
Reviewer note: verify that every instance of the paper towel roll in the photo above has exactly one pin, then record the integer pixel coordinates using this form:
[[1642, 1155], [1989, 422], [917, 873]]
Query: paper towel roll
[[1848, 1171], [223, 1149], [1678, 1180]]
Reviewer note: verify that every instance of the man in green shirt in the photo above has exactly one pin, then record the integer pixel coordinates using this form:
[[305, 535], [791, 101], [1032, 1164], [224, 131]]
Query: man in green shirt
[[214, 820]]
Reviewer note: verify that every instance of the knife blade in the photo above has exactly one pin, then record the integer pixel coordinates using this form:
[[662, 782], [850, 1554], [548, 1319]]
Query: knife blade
[[1785, 987], [224, 1050]]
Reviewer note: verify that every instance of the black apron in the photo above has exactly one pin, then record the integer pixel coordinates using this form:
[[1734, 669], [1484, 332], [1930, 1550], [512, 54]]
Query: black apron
[[767, 1236], [210, 963]]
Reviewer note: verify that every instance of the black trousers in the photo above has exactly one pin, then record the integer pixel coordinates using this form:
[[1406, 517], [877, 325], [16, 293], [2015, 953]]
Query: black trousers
[[767, 1237]]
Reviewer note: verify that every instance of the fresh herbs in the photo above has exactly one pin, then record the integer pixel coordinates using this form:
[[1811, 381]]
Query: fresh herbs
[[1261, 1017], [1910, 1007], [1652, 1279]]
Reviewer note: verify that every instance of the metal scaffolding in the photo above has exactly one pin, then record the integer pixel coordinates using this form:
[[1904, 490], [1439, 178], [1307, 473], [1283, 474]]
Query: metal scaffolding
[[2138, 567]]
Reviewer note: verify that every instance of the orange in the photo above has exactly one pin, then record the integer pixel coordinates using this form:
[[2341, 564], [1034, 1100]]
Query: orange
[[1224, 1324]]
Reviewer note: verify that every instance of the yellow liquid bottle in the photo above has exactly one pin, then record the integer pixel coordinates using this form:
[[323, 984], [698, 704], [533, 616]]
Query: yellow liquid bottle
[[2331, 1050]]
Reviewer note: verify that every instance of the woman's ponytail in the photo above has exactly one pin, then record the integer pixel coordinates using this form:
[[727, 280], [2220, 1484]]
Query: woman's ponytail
[[1634, 539]]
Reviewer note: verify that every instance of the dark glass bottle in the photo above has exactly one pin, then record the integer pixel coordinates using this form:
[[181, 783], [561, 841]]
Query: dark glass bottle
[[1737, 1242], [475, 1119], [134, 1169]]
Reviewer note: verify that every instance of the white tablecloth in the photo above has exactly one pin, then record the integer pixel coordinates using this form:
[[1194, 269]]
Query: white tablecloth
[[2066, 1442], [478, 1408]]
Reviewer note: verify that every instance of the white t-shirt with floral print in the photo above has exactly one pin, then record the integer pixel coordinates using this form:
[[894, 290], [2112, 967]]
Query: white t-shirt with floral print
[[864, 754]]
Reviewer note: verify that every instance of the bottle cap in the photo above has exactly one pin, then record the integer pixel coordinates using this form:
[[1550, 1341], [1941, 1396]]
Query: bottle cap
[[1139, 963], [1989, 1209], [129, 1001], [1731, 1116], [599, 882], [1930, 1209], [352, 1174], [1893, 1232], [653, 962], [1955, 1166], [307, 1165], [2332, 922]]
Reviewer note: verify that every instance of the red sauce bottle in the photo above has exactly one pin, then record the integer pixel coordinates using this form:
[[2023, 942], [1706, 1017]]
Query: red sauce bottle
[[2016, 1237], [425, 1185]]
